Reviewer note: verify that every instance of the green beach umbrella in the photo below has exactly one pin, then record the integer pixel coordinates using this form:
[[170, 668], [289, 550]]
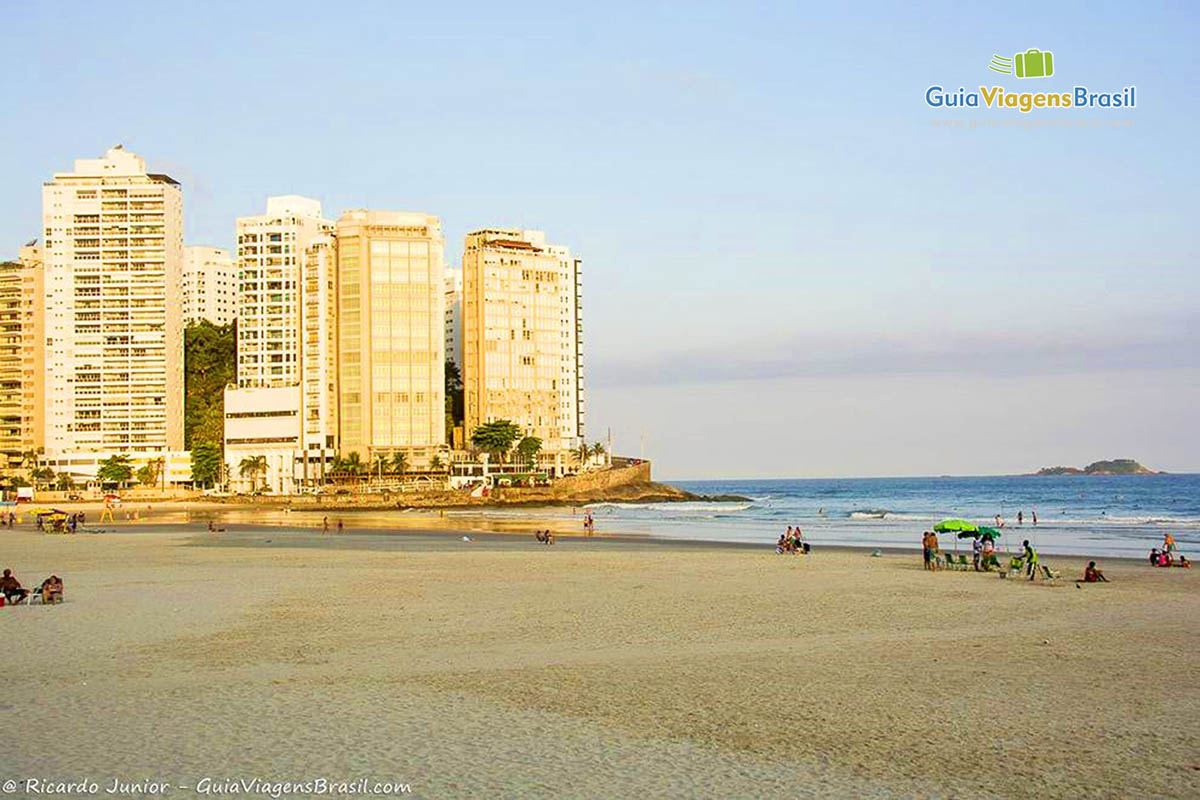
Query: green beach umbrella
[[952, 525], [982, 530]]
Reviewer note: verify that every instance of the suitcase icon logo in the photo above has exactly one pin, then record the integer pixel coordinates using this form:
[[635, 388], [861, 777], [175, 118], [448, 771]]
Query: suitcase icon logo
[[1033, 63]]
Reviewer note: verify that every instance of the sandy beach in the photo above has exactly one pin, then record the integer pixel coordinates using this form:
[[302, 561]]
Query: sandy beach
[[593, 668]]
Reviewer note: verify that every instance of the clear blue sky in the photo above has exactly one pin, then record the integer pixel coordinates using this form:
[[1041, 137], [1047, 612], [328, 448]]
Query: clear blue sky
[[789, 270]]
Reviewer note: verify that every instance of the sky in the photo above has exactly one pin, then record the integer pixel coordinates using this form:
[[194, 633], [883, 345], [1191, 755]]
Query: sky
[[789, 269]]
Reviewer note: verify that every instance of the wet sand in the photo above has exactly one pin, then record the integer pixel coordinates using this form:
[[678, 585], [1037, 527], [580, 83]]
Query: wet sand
[[595, 668]]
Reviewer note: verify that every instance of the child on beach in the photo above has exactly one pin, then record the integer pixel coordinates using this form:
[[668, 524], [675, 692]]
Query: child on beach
[[1093, 575]]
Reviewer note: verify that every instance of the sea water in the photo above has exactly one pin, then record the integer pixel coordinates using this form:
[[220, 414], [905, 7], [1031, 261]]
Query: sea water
[[1087, 515]]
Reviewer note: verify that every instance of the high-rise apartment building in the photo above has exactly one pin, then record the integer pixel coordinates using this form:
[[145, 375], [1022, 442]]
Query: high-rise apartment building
[[318, 398], [33, 349], [270, 254], [113, 253], [391, 335], [522, 339], [22, 314], [454, 287], [209, 286]]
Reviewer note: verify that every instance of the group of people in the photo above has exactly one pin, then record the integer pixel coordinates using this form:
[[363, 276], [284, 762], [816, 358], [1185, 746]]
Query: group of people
[[51, 589], [59, 523], [544, 537], [1168, 556], [792, 542]]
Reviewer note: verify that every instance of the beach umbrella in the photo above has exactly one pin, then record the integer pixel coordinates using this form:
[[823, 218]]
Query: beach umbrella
[[983, 531], [951, 525]]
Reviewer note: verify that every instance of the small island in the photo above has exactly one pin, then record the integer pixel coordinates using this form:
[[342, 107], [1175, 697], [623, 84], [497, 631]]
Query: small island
[[1117, 466]]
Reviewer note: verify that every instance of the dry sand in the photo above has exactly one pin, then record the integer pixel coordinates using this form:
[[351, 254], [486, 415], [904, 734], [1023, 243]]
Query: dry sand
[[505, 668]]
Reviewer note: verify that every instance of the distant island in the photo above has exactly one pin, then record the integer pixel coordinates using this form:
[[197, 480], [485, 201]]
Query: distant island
[[1118, 466]]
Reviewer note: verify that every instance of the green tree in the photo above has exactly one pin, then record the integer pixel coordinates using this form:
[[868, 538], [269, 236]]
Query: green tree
[[528, 449], [435, 463], [399, 462], [65, 482], [210, 361], [115, 469], [454, 399], [206, 464], [598, 449], [350, 465], [496, 437], [251, 467]]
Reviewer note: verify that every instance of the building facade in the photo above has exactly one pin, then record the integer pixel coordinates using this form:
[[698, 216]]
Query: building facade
[[319, 369], [522, 334], [454, 288], [263, 426], [113, 256], [391, 336], [11, 375], [209, 286], [269, 259], [33, 349]]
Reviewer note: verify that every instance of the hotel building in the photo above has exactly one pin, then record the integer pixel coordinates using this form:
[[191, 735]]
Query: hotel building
[[391, 335], [113, 370], [522, 339], [209, 286]]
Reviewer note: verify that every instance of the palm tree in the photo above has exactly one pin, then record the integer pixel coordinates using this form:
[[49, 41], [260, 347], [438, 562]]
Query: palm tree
[[598, 449], [528, 449], [353, 463], [251, 466], [65, 482], [435, 463], [399, 462]]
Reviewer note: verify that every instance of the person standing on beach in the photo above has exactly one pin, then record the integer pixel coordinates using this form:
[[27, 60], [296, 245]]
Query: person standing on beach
[[340, 528], [1020, 517], [976, 551], [1034, 513], [324, 524], [927, 551]]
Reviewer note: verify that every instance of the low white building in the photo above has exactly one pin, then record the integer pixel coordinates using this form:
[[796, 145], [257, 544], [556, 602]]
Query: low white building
[[263, 422]]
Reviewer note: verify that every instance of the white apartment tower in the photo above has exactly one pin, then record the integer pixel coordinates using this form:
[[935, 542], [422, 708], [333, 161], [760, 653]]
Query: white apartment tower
[[269, 260], [454, 287], [113, 251], [209, 286], [522, 336]]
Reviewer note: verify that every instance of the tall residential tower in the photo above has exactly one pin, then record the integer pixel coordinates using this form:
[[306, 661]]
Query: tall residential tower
[[391, 335], [522, 338], [113, 251]]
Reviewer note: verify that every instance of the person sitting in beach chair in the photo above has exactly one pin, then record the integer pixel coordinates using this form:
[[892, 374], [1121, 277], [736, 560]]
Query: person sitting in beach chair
[[1093, 575], [12, 588]]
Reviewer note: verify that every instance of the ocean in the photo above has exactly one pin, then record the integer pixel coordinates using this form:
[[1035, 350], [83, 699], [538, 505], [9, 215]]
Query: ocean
[[1077, 515]]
